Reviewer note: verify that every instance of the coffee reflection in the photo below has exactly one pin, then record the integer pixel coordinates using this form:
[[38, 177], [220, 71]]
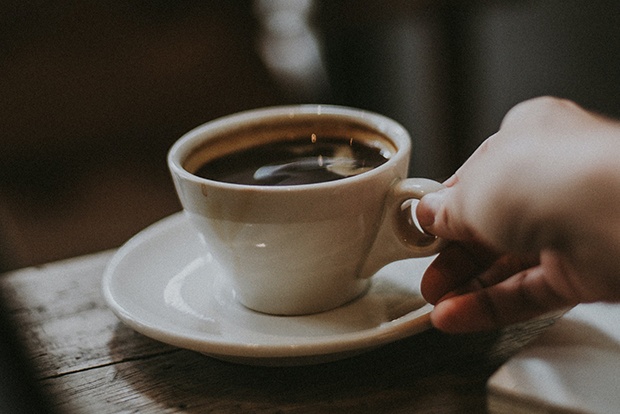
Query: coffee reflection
[[304, 160]]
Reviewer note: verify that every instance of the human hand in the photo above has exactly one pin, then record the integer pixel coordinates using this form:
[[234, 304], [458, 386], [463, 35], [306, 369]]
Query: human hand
[[535, 216]]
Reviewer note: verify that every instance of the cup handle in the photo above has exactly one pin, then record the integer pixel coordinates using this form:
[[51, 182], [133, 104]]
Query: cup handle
[[399, 237], [402, 195]]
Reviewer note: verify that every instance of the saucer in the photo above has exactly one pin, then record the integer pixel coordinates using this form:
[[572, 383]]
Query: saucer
[[164, 284]]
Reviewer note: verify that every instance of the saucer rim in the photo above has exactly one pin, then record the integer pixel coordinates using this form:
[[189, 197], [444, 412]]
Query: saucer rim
[[356, 342]]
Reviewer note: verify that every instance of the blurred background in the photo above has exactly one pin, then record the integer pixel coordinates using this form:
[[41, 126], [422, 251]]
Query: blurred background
[[93, 93]]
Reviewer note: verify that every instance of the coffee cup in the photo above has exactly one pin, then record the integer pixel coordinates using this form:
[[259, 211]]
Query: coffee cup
[[326, 202]]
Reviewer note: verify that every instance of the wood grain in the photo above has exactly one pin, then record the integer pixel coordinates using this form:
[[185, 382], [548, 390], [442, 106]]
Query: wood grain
[[89, 362]]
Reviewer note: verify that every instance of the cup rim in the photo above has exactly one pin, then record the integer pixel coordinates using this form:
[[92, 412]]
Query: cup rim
[[388, 127]]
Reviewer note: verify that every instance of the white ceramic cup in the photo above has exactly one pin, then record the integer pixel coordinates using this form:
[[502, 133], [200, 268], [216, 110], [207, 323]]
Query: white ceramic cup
[[301, 249]]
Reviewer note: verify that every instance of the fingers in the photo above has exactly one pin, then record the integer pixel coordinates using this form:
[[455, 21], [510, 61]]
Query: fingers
[[503, 268], [447, 213], [520, 297], [435, 218], [453, 268], [501, 198]]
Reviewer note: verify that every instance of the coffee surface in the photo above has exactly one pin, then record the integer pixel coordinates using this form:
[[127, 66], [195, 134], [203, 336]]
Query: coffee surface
[[305, 160]]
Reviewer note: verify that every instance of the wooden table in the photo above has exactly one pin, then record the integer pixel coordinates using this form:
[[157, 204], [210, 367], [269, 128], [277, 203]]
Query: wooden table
[[89, 362]]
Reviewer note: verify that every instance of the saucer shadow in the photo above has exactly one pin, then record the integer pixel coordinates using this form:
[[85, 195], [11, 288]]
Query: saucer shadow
[[428, 368]]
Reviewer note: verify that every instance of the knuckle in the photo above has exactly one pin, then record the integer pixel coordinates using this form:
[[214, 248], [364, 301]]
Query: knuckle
[[537, 111]]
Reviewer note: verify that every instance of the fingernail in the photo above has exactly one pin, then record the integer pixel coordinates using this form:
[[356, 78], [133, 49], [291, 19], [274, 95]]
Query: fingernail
[[427, 209]]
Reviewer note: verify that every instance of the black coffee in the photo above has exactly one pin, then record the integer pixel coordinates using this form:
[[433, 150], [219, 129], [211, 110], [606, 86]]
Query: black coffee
[[293, 162]]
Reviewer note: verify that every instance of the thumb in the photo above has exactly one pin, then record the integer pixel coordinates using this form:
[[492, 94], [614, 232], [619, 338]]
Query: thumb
[[438, 215]]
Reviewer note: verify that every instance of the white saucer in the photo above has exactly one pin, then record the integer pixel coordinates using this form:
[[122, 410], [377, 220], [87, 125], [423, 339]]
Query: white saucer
[[163, 284]]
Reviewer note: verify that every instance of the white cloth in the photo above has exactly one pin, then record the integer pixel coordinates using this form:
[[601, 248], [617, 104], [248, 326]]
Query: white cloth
[[572, 367]]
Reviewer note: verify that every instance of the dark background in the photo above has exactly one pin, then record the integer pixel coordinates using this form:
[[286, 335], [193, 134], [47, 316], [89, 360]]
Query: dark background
[[92, 93]]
